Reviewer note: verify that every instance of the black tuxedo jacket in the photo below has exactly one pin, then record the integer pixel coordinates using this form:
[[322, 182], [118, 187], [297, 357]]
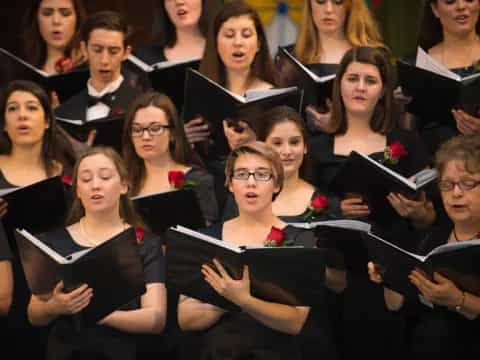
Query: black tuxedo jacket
[[75, 108]]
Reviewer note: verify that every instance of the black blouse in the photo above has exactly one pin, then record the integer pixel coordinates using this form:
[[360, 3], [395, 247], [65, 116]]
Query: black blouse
[[439, 331], [65, 339], [231, 210], [238, 335], [205, 191], [151, 54]]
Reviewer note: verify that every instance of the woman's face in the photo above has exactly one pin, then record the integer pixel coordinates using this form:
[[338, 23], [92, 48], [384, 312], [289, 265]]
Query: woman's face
[[329, 15], [237, 43], [57, 22], [462, 206], [99, 186], [184, 13], [458, 17], [361, 88], [149, 134], [25, 119], [251, 195], [287, 140]]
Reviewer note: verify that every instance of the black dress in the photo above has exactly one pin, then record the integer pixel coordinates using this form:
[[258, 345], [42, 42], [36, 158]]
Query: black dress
[[438, 127], [440, 333], [240, 336], [230, 211], [5, 255], [205, 191], [99, 342], [151, 54], [362, 303], [21, 339]]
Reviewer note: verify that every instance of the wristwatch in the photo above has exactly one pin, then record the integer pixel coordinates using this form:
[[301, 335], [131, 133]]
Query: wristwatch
[[459, 307]]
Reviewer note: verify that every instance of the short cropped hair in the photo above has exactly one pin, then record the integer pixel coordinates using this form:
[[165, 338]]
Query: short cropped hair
[[106, 20], [262, 150], [462, 148]]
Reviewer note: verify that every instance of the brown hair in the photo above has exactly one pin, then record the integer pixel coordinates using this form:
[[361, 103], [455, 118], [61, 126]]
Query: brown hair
[[127, 210], [35, 47], [212, 66], [164, 30], [260, 149], [180, 151], [382, 120], [462, 148], [431, 30], [360, 30], [55, 147], [106, 20], [282, 114]]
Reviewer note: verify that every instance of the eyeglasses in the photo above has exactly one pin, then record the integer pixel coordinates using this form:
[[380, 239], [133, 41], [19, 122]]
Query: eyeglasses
[[153, 130], [464, 185], [259, 175]]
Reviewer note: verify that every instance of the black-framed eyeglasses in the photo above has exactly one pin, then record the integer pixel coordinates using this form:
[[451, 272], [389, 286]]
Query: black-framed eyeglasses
[[259, 175], [153, 130], [464, 185]]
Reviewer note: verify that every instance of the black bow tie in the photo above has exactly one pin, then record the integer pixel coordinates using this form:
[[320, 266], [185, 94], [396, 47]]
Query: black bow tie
[[106, 99]]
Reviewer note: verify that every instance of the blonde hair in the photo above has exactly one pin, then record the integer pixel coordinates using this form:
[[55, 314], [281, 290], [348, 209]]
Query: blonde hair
[[360, 29]]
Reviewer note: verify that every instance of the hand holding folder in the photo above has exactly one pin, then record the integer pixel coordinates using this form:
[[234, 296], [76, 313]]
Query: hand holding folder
[[275, 273], [112, 269]]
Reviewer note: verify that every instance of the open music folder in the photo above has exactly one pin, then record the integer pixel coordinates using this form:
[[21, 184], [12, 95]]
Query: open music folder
[[65, 84], [288, 275], [436, 90], [363, 175], [113, 269]]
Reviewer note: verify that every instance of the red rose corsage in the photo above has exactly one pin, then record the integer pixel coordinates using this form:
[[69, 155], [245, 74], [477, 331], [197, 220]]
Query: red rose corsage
[[140, 233], [63, 65], [394, 152], [318, 205], [276, 238], [176, 179], [117, 111]]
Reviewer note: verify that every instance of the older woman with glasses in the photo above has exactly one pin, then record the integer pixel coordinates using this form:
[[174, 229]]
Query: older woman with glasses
[[451, 326]]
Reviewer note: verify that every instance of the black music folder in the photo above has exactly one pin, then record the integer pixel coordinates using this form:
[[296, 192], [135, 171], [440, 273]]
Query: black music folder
[[167, 77], [206, 98], [38, 207], [275, 272], [344, 240], [459, 262], [65, 85], [436, 90], [113, 269], [317, 88], [109, 129], [374, 181], [163, 210]]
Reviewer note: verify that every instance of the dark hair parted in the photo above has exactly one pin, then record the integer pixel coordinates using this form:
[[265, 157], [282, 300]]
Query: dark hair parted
[[179, 148], [382, 120], [49, 151], [464, 148], [279, 115], [106, 20], [165, 34], [262, 150], [431, 30], [212, 66], [34, 46], [127, 210]]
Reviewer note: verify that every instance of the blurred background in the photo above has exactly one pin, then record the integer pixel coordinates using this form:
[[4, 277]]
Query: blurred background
[[398, 19]]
